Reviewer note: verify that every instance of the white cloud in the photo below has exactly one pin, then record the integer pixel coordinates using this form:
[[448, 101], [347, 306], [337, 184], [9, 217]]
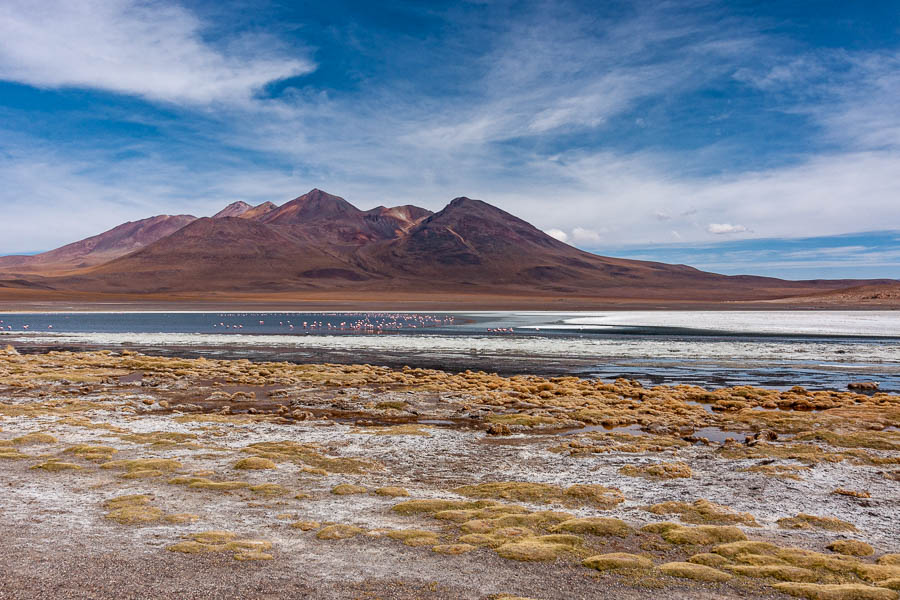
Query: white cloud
[[587, 237], [558, 234], [151, 49], [724, 228]]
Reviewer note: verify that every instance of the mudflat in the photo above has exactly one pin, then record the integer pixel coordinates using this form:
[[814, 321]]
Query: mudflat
[[127, 475]]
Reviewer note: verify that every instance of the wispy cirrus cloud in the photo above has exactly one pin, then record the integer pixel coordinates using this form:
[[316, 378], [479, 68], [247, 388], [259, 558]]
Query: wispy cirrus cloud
[[152, 49], [725, 228]]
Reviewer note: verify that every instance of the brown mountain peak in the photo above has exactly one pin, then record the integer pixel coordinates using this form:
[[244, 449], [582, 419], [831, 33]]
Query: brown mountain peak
[[97, 249], [235, 209], [258, 211], [311, 206]]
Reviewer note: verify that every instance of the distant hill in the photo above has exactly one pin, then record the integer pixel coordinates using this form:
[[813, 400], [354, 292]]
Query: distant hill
[[319, 242], [97, 249]]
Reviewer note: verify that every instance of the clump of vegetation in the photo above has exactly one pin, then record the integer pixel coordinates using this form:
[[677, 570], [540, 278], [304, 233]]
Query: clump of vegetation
[[391, 492], [12, 454], [453, 549], [524, 420], [135, 515], [163, 439], [92, 452], [808, 454], [810, 559], [674, 470], [202, 483], [734, 549], [804, 521], [135, 509], [851, 548], [269, 490], [306, 525], [34, 439], [545, 548], [701, 535], [703, 512], [254, 463], [545, 493], [144, 465], [411, 429], [617, 561], [778, 471], [687, 570], [339, 532], [847, 591], [435, 505], [181, 518], [54, 466], [875, 440], [311, 456], [601, 442], [875, 573], [414, 537], [852, 493], [600, 526], [132, 510], [224, 541], [709, 559], [782, 572], [346, 489]]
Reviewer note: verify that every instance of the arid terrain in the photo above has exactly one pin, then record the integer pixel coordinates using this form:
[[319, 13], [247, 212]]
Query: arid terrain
[[128, 475]]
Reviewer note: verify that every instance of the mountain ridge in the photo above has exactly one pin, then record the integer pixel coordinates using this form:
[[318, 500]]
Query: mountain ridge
[[319, 242]]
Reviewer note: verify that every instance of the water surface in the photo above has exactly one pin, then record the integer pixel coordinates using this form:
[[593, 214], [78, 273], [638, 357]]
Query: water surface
[[815, 349]]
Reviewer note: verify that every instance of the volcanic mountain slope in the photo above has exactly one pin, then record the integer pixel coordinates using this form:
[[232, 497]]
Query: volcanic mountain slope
[[321, 242], [97, 249], [474, 244], [323, 218], [235, 209], [219, 254], [243, 210]]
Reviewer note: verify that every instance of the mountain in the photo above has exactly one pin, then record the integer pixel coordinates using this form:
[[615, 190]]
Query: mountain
[[243, 210], [259, 211], [235, 209], [320, 243], [218, 254], [98, 249]]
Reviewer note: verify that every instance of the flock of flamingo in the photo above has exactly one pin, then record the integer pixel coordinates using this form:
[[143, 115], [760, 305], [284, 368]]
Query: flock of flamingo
[[327, 323], [367, 323]]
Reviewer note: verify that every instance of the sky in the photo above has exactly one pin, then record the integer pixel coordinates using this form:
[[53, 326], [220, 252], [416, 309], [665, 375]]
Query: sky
[[736, 136]]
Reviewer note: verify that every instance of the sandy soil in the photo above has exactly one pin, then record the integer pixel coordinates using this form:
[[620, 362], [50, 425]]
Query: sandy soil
[[430, 434]]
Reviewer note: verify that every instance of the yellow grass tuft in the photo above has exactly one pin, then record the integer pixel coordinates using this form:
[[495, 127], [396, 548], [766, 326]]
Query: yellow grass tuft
[[687, 570], [617, 561], [849, 591]]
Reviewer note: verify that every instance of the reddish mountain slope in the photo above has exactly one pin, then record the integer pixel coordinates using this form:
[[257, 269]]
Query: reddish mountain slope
[[219, 254], [98, 249], [322, 242], [257, 212], [235, 209]]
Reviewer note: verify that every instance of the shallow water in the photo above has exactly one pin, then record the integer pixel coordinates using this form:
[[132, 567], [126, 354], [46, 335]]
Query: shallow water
[[777, 349]]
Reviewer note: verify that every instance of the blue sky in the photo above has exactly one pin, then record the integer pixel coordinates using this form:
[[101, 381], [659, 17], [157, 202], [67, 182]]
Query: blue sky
[[742, 137]]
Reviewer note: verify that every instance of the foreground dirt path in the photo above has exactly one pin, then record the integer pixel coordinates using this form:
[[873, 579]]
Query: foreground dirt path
[[126, 475]]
